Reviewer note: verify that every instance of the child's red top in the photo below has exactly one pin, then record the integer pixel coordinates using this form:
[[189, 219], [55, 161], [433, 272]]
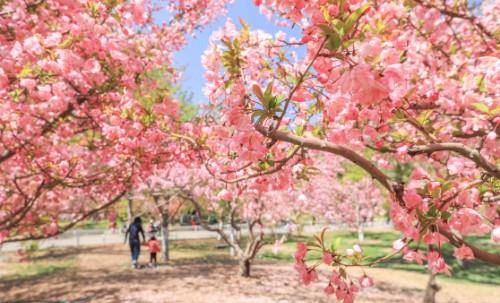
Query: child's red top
[[154, 246]]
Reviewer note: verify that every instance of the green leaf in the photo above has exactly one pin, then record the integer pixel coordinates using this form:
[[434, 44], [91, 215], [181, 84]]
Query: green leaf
[[258, 116], [258, 92], [326, 13], [273, 103], [481, 107], [480, 83], [318, 240], [336, 244], [299, 130], [332, 247], [25, 72], [269, 89], [333, 42], [348, 43], [333, 37], [245, 31], [228, 83], [445, 215], [453, 48], [422, 118], [495, 111], [354, 17], [342, 272], [227, 43], [326, 29], [322, 235]]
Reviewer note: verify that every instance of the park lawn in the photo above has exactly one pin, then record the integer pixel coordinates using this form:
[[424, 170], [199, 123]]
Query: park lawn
[[202, 271], [378, 244]]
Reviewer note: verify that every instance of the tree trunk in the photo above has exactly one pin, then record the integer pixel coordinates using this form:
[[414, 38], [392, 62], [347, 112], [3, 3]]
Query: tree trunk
[[359, 224], [244, 268], [232, 252], [164, 236], [361, 233], [221, 227], [431, 290], [130, 214]]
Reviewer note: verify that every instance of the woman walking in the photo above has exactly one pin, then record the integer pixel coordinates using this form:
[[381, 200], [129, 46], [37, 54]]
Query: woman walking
[[133, 236]]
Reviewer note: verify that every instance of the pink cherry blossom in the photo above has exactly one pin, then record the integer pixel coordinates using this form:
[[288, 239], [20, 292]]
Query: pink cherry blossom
[[398, 244], [413, 199], [463, 253], [327, 258], [436, 263], [301, 252], [414, 256], [225, 195], [495, 234], [329, 289], [365, 281]]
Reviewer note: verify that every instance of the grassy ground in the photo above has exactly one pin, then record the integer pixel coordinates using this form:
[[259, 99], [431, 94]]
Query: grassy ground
[[379, 244], [199, 272]]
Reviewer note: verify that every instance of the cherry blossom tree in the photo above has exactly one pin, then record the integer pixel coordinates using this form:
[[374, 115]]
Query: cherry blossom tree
[[350, 202], [381, 83], [257, 210], [252, 201], [159, 196], [83, 114]]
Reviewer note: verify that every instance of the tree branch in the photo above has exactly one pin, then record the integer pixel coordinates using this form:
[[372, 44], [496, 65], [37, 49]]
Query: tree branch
[[187, 196], [394, 188], [71, 224], [336, 149], [459, 148], [478, 253]]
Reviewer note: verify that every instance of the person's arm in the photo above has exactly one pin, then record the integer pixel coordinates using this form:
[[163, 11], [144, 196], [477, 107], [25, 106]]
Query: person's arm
[[126, 234], [142, 233]]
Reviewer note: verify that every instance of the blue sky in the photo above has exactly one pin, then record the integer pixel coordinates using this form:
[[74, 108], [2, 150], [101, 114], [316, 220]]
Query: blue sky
[[190, 56]]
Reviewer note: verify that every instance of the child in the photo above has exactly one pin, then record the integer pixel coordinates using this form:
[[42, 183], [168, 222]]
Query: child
[[154, 247]]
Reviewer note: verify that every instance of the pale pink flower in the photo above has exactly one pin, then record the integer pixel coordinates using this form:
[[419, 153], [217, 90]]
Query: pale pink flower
[[32, 46], [464, 253], [412, 199], [436, 263], [327, 258], [365, 281], [495, 234], [349, 252], [329, 289], [301, 252], [398, 244], [225, 195], [414, 256], [435, 238]]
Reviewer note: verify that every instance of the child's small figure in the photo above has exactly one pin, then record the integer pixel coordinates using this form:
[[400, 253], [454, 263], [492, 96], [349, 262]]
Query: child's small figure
[[154, 248]]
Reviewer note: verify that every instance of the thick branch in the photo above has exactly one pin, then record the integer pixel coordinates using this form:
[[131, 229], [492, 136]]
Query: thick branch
[[220, 232], [336, 149], [461, 149], [392, 187], [71, 224], [46, 128], [478, 253], [454, 14]]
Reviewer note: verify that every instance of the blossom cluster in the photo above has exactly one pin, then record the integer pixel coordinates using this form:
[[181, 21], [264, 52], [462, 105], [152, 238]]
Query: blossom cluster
[[340, 283]]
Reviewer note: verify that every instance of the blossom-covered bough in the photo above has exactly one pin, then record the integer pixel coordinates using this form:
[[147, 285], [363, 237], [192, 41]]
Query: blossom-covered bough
[[85, 107], [352, 201], [245, 208], [380, 83]]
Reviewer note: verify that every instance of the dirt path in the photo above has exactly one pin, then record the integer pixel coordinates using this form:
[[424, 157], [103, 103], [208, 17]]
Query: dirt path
[[102, 274]]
